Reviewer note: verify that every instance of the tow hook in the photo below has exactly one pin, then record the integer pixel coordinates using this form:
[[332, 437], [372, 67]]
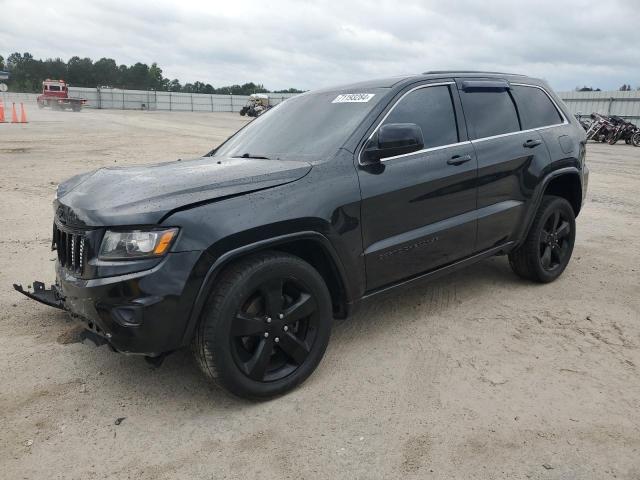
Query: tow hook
[[41, 294]]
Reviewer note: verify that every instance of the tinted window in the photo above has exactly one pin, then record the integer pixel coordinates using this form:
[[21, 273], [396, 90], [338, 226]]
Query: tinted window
[[307, 126], [489, 112], [535, 108], [432, 110]]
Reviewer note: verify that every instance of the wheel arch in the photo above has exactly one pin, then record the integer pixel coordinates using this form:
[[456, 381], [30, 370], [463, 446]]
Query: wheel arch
[[310, 246], [568, 186], [565, 183]]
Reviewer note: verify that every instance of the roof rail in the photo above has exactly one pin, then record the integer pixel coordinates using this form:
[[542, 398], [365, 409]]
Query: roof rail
[[440, 72]]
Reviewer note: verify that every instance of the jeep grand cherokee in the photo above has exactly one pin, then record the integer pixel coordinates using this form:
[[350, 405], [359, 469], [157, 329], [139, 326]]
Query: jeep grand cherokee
[[247, 253]]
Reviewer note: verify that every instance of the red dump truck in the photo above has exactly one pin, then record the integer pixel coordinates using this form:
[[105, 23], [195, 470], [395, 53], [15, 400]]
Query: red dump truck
[[55, 95]]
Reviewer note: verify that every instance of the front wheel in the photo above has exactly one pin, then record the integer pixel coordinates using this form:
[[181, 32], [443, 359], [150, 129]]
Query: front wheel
[[547, 249], [265, 327]]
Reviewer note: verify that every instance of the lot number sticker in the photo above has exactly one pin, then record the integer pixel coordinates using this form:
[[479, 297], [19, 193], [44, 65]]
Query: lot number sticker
[[353, 98]]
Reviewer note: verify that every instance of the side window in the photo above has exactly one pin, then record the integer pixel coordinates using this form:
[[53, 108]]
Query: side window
[[489, 112], [431, 108], [535, 107]]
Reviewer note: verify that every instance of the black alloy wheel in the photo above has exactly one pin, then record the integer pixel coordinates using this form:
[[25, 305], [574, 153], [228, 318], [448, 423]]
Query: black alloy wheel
[[555, 241], [547, 249], [265, 326], [273, 331]]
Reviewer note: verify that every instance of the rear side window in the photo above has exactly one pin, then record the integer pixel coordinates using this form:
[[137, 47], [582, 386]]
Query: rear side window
[[431, 108], [535, 107], [489, 112]]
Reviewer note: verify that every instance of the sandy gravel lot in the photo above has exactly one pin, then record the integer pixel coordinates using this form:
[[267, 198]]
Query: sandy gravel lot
[[479, 375]]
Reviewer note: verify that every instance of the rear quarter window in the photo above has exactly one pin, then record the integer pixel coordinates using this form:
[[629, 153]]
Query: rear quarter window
[[535, 107], [489, 112]]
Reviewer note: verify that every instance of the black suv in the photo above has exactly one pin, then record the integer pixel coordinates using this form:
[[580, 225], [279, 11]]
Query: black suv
[[332, 197]]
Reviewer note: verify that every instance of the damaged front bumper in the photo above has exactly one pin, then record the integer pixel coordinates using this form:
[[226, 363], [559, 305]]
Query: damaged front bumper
[[143, 313], [51, 296]]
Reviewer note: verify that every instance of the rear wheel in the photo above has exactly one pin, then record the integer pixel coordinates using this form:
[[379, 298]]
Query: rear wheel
[[614, 138], [76, 108], [547, 249], [265, 327], [635, 139]]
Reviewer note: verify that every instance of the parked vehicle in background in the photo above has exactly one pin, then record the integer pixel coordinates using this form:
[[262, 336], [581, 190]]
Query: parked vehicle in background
[[610, 129], [257, 104], [55, 95], [584, 123], [248, 253]]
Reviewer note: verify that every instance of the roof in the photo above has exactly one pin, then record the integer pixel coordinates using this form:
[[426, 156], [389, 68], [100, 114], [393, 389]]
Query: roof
[[465, 72], [402, 80]]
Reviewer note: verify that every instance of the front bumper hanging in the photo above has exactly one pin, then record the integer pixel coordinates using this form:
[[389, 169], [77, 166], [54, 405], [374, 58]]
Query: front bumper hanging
[[40, 294]]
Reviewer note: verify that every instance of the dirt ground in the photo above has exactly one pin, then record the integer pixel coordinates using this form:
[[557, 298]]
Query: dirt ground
[[477, 375]]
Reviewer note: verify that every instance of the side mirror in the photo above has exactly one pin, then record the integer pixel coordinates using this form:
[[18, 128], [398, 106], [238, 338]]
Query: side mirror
[[394, 139]]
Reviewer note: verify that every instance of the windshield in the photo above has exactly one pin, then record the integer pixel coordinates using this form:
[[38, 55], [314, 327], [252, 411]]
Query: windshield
[[307, 126]]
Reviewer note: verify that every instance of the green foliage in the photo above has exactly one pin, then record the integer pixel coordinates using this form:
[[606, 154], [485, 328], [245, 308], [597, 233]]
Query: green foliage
[[28, 73]]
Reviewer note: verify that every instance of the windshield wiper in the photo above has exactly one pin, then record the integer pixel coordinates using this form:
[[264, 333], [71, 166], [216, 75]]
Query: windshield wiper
[[248, 155]]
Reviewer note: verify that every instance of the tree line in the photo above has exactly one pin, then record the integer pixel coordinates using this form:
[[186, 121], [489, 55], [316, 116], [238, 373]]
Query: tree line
[[27, 74], [624, 88]]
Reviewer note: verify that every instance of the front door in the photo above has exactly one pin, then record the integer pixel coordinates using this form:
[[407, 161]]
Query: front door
[[418, 209]]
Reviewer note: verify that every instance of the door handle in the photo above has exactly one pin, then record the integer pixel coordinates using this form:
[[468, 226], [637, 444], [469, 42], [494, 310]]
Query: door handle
[[459, 159], [531, 143]]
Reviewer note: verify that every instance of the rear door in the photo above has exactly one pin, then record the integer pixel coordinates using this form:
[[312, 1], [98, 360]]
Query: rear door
[[509, 159], [418, 208]]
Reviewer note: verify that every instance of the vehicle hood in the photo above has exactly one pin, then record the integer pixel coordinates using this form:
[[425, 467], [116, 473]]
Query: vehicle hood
[[146, 194]]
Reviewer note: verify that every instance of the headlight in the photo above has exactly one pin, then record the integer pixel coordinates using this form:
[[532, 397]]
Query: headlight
[[118, 245]]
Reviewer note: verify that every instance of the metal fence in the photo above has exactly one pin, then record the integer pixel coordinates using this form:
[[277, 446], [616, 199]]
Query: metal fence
[[9, 97], [114, 98], [622, 104]]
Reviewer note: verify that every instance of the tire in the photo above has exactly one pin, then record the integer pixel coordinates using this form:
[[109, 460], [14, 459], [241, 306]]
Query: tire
[[635, 139], [76, 108], [242, 342], [613, 139], [547, 248]]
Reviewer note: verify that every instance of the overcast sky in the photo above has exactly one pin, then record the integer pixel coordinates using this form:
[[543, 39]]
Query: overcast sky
[[312, 44]]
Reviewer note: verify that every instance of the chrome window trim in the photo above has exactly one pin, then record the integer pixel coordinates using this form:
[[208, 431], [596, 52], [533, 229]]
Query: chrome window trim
[[559, 110], [431, 149]]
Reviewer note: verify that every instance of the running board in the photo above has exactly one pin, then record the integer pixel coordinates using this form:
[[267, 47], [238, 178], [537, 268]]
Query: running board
[[440, 271], [49, 297]]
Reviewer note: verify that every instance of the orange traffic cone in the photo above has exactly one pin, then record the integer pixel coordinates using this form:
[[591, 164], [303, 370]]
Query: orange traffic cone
[[1, 112], [14, 116], [23, 114]]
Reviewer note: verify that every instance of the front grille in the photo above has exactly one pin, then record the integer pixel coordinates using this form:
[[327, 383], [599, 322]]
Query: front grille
[[71, 247]]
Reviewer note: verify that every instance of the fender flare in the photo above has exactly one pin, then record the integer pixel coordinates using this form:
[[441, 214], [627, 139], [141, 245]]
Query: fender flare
[[221, 262], [539, 193]]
